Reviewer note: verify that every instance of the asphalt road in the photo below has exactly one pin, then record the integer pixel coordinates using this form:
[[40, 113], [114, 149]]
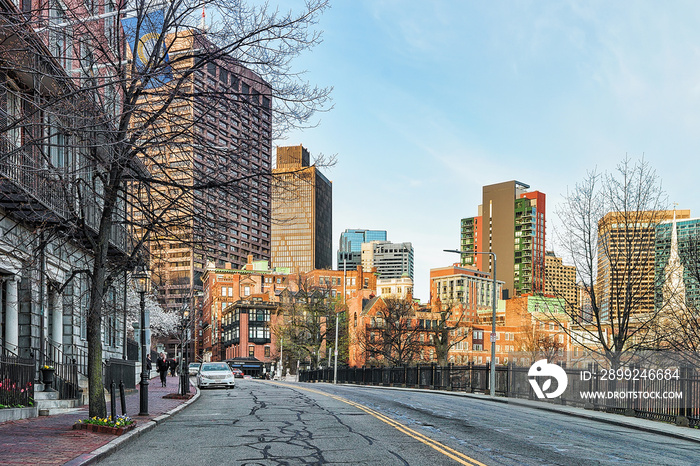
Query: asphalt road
[[271, 423]]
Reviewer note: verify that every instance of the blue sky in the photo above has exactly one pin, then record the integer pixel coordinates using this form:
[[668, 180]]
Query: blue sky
[[435, 99]]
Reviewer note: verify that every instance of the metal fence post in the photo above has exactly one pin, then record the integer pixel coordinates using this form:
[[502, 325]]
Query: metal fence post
[[122, 397], [113, 399]]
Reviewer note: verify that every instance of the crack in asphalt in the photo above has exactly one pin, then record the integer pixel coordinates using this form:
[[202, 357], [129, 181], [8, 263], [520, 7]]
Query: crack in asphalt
[[296, 436]]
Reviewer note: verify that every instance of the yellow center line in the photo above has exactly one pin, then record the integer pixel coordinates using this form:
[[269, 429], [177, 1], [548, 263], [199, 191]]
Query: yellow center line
[[444, 449]]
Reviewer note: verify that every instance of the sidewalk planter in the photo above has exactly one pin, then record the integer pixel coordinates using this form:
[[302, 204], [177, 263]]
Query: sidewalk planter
[[104, 429], [47, 376]]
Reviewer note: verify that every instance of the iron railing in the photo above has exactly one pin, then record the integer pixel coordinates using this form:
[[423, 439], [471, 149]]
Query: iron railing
[[65, 380], [43, 190], [513, 381], [16, 380], [21, 167]]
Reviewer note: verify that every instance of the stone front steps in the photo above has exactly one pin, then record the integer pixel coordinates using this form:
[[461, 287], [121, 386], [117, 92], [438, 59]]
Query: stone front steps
[[48, 403]]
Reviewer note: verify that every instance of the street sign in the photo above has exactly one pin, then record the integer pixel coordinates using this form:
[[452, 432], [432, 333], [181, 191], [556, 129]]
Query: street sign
[[493, 338]]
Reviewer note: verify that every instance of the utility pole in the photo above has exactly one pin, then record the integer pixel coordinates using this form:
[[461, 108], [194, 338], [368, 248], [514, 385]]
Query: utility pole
[[335, 366]]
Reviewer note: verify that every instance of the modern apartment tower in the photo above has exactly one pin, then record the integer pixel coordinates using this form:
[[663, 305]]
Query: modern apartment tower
[[511, 224], [350, 247], [302, 209], [225, 225], [560, 280], [392, 260]]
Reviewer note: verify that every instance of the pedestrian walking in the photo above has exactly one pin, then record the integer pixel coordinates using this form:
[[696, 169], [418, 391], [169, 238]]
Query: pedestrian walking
[[162, 367], [173, 366], [149, 365]]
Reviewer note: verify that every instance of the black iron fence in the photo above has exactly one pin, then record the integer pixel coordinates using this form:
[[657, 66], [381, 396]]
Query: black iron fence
[[672, 396], [120, 370], [16, 380], [132, 350]]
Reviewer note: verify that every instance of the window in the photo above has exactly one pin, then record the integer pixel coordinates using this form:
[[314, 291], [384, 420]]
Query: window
[[246, 291], [267, 351], [251, 351], [258, 333], [110, 23], [60, 42], [13, 112]]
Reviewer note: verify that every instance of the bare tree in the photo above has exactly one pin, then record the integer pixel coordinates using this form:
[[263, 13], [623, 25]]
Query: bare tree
[[393, 335], [307, 324], [108, 125], [609, 222], [447, 329], [535, 340]]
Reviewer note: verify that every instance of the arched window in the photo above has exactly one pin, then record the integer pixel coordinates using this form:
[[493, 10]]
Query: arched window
[[355, 320]]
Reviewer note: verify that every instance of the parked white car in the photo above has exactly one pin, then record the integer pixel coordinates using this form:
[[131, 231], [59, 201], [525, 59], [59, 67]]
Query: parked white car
[[215, 374], [193, 368]]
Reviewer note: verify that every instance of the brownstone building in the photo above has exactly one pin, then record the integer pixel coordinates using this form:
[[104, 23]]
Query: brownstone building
[[227, 290]]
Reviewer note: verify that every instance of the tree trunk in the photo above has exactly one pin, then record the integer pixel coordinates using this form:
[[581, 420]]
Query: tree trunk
[[98, 406]]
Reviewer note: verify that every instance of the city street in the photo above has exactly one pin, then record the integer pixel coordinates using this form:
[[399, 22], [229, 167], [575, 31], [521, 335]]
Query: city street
[[262, 422]]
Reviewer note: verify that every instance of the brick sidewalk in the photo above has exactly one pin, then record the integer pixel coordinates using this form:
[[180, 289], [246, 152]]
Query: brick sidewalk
[[52, 440]]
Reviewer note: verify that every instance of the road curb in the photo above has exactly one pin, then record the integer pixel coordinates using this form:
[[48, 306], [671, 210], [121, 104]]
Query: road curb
[[123, 440], [669, 430]]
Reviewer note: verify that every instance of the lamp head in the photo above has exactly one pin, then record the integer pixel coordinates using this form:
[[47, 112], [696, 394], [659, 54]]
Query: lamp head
[[142, 278]]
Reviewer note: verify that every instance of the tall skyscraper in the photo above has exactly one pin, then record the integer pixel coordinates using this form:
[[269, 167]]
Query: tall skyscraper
[[511, 224], [392, 260], [627, 265], [350, 247], [217, 144], [302, 209]]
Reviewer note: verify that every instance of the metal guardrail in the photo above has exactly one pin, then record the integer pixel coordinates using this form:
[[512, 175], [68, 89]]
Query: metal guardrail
[[16, 380], [512, 381]]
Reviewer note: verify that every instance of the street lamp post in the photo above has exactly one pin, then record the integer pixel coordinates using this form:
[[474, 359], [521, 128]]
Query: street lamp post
[[141, 279], [184, 371], [492, 378]]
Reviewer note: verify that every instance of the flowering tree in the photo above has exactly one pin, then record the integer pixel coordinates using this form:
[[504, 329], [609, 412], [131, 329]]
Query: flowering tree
[[162, 323]]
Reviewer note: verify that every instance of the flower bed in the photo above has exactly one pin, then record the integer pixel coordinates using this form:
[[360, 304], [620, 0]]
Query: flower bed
[[119, 426], [104, 429], [177, 396]]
